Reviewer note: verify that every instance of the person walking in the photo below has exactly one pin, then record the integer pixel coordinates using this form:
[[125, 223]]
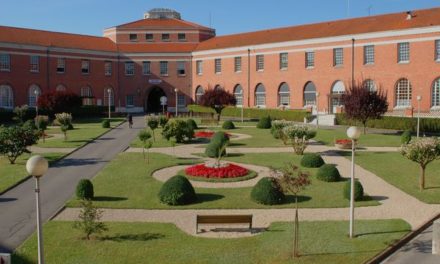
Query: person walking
[[130, 120]]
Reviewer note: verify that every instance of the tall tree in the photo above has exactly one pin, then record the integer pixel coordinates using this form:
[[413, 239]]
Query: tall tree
[[217, 99], [362, 104]]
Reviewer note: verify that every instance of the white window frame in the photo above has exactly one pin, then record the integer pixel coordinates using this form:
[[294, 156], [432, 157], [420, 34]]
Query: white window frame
[[133, 37], [437, 50], [260, 97], [284, 96], [199, 92], [238, 95], [179, 37], [403, 52], [284, 61], [181, 68], [108, 68], [370, 85], [369, 54], [34, 63], [85, 67], [310, 59], [338, 57], [259, 62], [32, 97], [163, 66], [217, 66], [435, 95], [146, 67], [199, 67], [129, 102], [403, 93], [181, 100], [237, 64], [147, 37], [129, 68], [61, 64], [164, 38], [5, 62]]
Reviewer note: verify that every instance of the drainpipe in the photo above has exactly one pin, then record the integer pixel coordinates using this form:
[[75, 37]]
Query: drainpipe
[[249, 80], [47, 69], [118, 80], [352, 62]]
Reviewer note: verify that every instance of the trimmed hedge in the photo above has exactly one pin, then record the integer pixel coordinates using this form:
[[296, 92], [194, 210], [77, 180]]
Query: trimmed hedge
[[228, 124], [105, 123], [405, 138], [264, 123], [358, 190], [217, 142], [328, 173], [267, 191], [177, 191], [84, 189], [312, 160]]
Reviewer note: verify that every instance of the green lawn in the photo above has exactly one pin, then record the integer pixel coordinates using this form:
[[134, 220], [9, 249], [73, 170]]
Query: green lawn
[[403, 173], [11, 174], [160, 141], [328, 137], [85, 130], [320, 242], [127, 183]]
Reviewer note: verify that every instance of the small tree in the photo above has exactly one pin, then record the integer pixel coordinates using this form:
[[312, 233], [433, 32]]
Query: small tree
[[89, 217], [59, 101], [217, 99], [152, 123], [42, 122], [14, 141], [144, 136], [293, 181], [65, 121], [362, 104], [20, 113], [423, 151], [297, 136]]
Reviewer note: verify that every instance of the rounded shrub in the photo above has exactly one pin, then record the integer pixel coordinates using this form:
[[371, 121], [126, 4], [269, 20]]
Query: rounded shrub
[[267, 191], [177, 191], [228, 124], [217, 143], [405, 138], [178, 129], [191, 123], [328, 173], [264, 122], [105, 123], [84, 189], [358, 190], [312, 160]]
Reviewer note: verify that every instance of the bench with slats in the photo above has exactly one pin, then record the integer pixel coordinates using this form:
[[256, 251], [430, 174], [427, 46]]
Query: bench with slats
[[223, 219]]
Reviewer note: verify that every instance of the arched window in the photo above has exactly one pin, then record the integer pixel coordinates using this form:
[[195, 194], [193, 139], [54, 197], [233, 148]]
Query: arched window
[[436, 93], [403, 93], [34, 92], [369, 85], [108, 96], [309, 94], [87, 96], [260, 95], [284, 94], [60, 88], [217, 87], [338, 89], [238, 93], [199, 93], [6, 97]]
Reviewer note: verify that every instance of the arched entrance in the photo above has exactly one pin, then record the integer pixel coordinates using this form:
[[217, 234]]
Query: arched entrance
[[152, 103]]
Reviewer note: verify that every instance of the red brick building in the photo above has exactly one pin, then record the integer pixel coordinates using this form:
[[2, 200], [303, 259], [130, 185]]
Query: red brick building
[[306, 66]]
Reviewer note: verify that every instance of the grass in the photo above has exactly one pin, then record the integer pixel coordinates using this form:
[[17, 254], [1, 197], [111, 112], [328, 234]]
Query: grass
[[11, 174], [159, 142], [85, 130], [403, 173], [320, 242], [251, 174], [127, 183], [328, 136]]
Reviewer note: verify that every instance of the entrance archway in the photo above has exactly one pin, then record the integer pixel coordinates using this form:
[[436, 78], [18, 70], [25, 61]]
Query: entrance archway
[[153, 100]]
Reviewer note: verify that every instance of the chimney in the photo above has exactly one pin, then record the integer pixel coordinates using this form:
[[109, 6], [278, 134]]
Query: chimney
[[409, 15]]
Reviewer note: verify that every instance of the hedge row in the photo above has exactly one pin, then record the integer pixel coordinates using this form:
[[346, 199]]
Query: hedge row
[[397, 123]]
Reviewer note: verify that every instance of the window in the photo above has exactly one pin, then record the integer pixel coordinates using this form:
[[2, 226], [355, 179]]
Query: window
[[436, 93], [284, 94], [260, 95], [108, 68], [5, 62], [217, 87], [85, 67], [165, 37], [34, 63], [181, 68], [238, 94], [403, 52], [164, 68], [403, 93], [284, 60], [309, 94], [34, 93], [146, 67], [61, 65], [369, 85], [437, 50], [181, 100], [338, 57], [129, 68], [199, 93], [60, 88], [337, 91], [108, 96], [199, 67], [237, 64], [310, 59], [218, 65], [369, 54], [260, 62], [86, 94], [6, 97], [149, 37], [181, 37], [129, 100], [133, 37]]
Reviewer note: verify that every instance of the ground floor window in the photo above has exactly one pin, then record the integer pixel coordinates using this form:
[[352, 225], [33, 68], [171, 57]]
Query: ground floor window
[[436, 93], [309, 94], [34, 93], [181, 100], [260, 95], [129, 100], [238, 94], [403, 93], [284, 95], [6, 97]]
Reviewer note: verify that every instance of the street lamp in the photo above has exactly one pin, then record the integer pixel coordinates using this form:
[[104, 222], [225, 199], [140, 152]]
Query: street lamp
[[37, 93], [109, 91], [353, 133], [37, 166], [317, 110], [419, 98], [176, 91]]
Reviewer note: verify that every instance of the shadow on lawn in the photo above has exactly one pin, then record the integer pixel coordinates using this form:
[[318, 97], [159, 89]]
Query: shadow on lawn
[[301, 198], [108, 198], [132, 237], [207, 197]]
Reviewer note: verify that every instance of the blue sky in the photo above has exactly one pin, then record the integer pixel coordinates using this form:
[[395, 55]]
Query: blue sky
[[226, 16]]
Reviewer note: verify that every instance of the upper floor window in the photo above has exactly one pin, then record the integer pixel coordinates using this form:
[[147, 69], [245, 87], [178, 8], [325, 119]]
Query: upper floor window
[[403, 52], [237, 64], [129, 68], [164, 68], [310, 59], [181, 68], [338, 57], [199, 67], [133, 37], [85, 67], [61, 65], [108, 68], [284, 60], [146, 67], [260, 62], [181, 36], [369, 54], [218, 65], [5, 62], [34, 63], [166, 37], [437, 50], [149, 37]]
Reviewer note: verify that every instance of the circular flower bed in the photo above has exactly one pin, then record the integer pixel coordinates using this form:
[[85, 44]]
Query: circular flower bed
[[207, 134], [226, 171], [343, 143]]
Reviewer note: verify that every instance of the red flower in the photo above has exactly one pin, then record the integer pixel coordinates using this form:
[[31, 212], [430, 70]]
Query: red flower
[[229, 171], [343, 141], [207, 134]]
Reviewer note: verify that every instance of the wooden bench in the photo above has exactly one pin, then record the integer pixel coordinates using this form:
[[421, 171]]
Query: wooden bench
[[223, 219]]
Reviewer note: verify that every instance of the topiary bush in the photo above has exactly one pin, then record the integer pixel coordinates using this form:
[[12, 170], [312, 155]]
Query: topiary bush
[[191, 123], [312, 160], [328, 173], [178, 129], [218, 141], [358, 190], [177, 191], [228, 124], [105, 123], [405, 138], [267, 191], [264, 122], [84, 189]]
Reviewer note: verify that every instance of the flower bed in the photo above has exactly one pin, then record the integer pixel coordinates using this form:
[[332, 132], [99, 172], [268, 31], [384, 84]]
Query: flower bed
[[343, 143], [228, 171], [207, 134]]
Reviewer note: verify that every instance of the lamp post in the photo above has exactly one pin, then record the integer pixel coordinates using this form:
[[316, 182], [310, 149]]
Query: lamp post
[[353, 133], [419, 98], [109, 91], [37, 166], [317, 110], [176, 91], [37, 93]]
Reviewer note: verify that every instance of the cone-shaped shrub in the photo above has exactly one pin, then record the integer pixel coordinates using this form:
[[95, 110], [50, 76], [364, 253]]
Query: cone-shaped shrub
[[265, 122], [177, 191], [405, 138], [105, 123], [328, 173], [217, 142], [84, 189], [267, 191], [312, 160]]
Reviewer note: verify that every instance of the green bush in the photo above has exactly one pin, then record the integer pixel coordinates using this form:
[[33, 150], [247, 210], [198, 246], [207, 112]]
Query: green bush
[[228, 124], [84, 189], [312, 160], [264, 122], [267, 191], [178, 129], [30, 124], [328, 173], [192, 124], [358, 190], [163, 120], [217, 143], [177, 191], [405, 138], [105, 123]]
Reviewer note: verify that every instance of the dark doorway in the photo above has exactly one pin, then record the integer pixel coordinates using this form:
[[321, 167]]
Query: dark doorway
[[153, 100]]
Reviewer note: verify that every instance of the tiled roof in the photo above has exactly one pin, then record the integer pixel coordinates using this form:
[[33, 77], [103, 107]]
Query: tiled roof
[[157, 47], [166, 23], [396, 21]]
